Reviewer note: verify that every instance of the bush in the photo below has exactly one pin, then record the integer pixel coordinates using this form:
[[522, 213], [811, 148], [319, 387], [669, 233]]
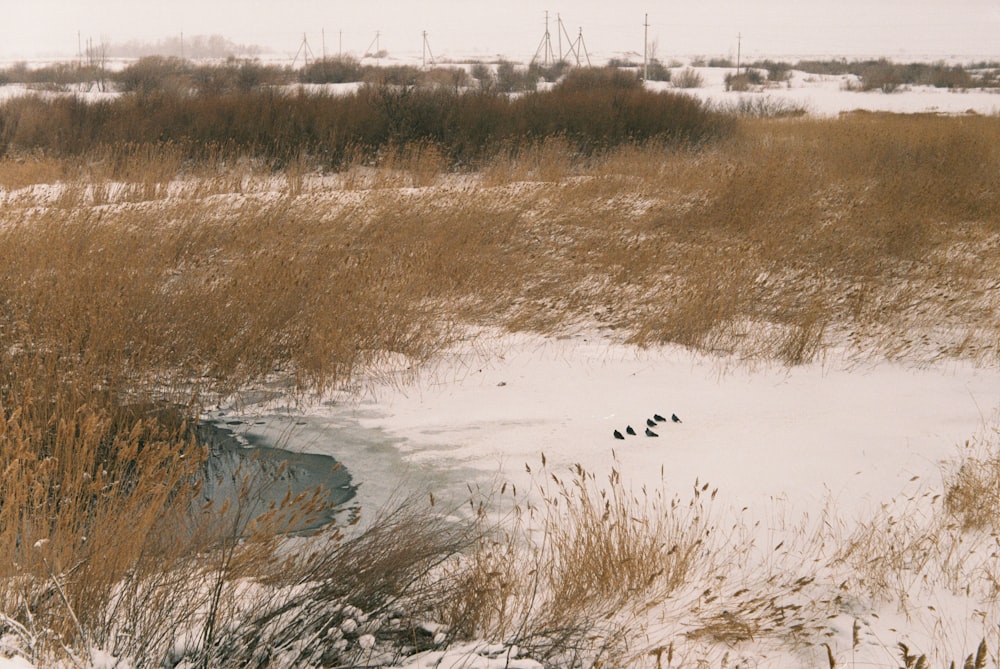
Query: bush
[[657, 71], [159, 74], [721, 62], [593, 109], [827, 67], [737, 82], [888, 77], [511, 79], [590, 78], [688, 78], [756, 106], [484, 77], [250, 74], [882, 75], [776, 71], [454, 78], [56, 76], [942, 76], [549, 73], [152, 74], [393, 75], [338, 70], [743, 82]]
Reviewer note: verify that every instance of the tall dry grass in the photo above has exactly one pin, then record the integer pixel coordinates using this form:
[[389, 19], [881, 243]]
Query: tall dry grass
[[928, 548], [596, 574], [146, 282]]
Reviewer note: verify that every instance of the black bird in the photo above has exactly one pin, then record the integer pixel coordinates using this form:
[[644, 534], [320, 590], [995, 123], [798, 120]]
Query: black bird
[[650, 422], [658, 418], [630, 430], [650, 433], [674, 418], [619, 435]]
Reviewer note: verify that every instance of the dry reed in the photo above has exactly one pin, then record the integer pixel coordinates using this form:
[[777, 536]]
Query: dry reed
[[143, 282]]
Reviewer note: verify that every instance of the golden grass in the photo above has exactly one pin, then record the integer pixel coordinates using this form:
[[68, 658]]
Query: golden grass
[[141, 283], [931, 546], [597, 574]]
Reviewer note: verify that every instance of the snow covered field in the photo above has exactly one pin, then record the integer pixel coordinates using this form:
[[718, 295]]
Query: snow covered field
[[828, 95], [842, 435], [781, 444], [820, 95], [849, 432]]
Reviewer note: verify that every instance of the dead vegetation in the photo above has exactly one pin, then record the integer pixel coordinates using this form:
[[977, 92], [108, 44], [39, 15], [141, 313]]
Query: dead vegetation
[[140, 280]]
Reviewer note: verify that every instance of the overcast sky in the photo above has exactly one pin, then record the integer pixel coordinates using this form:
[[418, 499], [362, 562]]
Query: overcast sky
[[515, 28]]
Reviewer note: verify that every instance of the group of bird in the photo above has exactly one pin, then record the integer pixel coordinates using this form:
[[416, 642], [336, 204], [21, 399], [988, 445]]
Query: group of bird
[[650, 422]]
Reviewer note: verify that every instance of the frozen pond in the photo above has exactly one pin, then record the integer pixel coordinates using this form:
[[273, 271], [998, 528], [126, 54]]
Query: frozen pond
[[243, 461], [852, 433], [374, 473]]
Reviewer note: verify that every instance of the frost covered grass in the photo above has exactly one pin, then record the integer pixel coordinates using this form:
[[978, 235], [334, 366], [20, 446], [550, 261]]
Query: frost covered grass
[[876, 230], [146, 286], [596, 573]]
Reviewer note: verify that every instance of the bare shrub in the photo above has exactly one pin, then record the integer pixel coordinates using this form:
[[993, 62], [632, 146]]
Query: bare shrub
[[337, 70], [153, 74], [657, 71], [737, 82], [743, 81], [587, 79], [945, 76], [882, 75], [688, 78], [511, 78], [280, 128], [761, 106]]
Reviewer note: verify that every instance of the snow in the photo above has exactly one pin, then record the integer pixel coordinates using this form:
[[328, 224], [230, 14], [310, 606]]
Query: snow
[[828, 95], [819, 95], [780, 443], [470, 656], [841, 432], [778, 440], [15, 663], [854, 433]]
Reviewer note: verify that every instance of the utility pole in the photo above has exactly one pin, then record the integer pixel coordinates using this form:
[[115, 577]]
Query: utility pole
[[739, 40], [340, 44], [426, 50], [322, 33], [645, 48], [304, 50], [375, 43], [572, 48], [545, 48], [182, 45], [581, 45], [559, 29]]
